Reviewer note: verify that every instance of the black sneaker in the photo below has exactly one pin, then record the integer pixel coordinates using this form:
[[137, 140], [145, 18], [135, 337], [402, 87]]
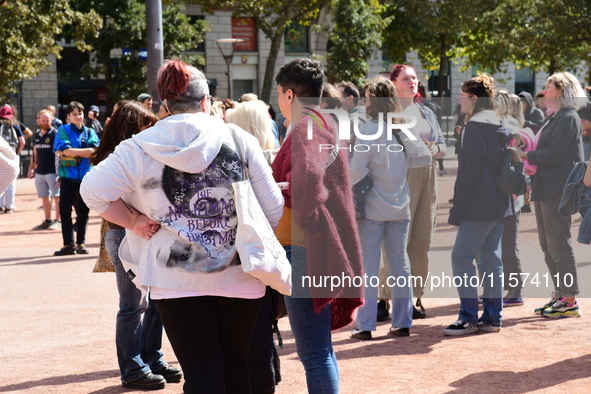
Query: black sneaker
[[383, 312], [418, 313], [81, 249], [488, 327], [359, 334], [65, 251], [171, 374], [399, 332], [460, 328], [147, 382]]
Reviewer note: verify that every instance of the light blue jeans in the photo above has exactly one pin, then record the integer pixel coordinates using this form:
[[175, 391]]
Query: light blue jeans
[[138, 340], [311, 332], [7, 199], [394, 236], [482, 240]]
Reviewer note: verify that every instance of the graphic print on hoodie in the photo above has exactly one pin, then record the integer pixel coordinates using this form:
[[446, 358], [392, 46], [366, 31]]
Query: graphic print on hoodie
[[202, 213]]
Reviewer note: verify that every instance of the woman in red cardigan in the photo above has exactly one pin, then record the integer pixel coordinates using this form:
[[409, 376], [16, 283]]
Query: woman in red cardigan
[[318, 228]]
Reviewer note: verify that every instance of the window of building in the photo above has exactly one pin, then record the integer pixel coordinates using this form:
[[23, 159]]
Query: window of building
[[297, 38], [525, 80], [193, 19], [434, 80], [242, 86]]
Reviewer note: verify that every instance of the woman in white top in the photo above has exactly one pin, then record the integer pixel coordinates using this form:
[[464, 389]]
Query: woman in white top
[[421, 177], [387, 211], [171, 188]]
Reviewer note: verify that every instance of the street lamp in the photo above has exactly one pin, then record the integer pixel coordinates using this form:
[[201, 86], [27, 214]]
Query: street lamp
[[228, 58]]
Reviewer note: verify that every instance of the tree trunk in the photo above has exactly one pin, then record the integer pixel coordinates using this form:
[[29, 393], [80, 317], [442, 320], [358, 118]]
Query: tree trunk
[[270, 66], [442, 64], [552, 67]]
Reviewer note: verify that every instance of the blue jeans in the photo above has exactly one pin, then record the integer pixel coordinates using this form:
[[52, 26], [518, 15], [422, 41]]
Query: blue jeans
[[138, 341], [394, 236], [7, 199], [311, 332], [481, 240]]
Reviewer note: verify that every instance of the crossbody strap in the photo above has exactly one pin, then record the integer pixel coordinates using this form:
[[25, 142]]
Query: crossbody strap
[[240, 153]]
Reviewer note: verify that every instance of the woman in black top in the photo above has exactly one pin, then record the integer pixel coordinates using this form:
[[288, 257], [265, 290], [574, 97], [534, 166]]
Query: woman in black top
[[559, 148]]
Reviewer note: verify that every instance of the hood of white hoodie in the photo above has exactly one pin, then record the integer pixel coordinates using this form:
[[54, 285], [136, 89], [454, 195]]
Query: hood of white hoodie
[[186, 142], [487, 116]]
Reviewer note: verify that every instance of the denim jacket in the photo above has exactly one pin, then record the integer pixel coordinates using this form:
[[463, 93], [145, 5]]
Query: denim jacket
[[577, 198]]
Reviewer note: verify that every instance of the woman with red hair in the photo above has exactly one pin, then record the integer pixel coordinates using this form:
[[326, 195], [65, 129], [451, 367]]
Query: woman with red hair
[[421, 178], [170, 186]]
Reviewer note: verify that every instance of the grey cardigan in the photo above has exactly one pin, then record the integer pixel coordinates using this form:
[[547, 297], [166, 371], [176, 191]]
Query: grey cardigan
[[559, 148]]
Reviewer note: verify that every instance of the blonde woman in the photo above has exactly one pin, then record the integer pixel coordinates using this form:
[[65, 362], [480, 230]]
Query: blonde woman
[[559, 147], [253, 117]]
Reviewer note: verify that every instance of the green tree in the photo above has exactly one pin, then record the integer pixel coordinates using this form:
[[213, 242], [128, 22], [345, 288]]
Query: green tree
[[28, 29], [273, 17], [434, 28], [357, 30], [540, 34], [124, 26]]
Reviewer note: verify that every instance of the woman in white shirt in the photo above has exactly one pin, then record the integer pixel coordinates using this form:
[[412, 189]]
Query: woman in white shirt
[[421, 177]]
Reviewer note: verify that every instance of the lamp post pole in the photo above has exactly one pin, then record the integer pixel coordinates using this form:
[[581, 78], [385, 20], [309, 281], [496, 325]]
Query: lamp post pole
[[228, 58], [155, 46]]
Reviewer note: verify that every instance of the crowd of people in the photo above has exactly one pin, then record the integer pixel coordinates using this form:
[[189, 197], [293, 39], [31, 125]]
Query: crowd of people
[[163, 184]]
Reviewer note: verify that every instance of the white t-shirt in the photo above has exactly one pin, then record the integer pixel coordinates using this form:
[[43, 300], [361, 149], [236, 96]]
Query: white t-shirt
[[423, 128]]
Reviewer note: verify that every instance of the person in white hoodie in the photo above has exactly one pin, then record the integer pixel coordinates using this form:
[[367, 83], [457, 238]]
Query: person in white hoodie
[[171, 188], [8, 165]]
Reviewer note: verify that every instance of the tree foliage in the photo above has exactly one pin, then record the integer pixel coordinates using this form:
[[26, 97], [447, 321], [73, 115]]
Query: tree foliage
[[28, 29], [124, 26], [540, 34], [357, 31], [273, 17], [434, 28]]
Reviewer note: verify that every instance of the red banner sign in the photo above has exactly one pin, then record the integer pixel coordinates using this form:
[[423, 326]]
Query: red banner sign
[[245, 29]]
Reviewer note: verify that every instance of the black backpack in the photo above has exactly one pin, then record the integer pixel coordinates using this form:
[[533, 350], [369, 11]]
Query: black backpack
[[511, 177], [8, 133]]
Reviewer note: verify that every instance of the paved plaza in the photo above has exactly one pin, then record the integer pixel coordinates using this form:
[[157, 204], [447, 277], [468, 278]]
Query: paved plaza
[[57, 325]]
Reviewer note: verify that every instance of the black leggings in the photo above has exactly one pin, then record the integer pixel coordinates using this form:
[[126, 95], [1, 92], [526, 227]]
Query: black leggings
[[211, 337]]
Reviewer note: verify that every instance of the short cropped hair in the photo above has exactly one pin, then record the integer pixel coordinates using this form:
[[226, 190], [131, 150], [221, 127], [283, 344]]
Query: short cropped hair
[[74, 105], [303, 76], [349, 89]]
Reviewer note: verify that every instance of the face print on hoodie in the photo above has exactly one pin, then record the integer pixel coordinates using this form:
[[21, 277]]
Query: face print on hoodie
[[203, 214]]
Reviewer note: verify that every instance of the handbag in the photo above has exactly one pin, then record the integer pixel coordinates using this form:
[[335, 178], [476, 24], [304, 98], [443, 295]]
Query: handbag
[[103, 263], [261, 254]]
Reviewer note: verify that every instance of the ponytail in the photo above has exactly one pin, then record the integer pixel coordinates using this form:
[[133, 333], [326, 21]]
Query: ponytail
[[173, 79]]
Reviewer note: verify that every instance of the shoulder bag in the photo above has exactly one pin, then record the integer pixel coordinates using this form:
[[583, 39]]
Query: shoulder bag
[[261, 254]]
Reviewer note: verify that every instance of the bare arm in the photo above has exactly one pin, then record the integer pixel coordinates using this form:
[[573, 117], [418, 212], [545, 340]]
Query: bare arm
[[79, 152], [587, 178], [126, 216], [33, 164], [21, 145], [27, 132]]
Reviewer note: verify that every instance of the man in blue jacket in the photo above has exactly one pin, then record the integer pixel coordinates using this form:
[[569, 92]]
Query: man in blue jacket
[[74, 143]]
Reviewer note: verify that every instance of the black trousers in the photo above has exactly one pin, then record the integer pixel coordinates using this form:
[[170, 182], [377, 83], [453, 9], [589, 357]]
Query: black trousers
[[70, 197], [211, 338], [263, 360]]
